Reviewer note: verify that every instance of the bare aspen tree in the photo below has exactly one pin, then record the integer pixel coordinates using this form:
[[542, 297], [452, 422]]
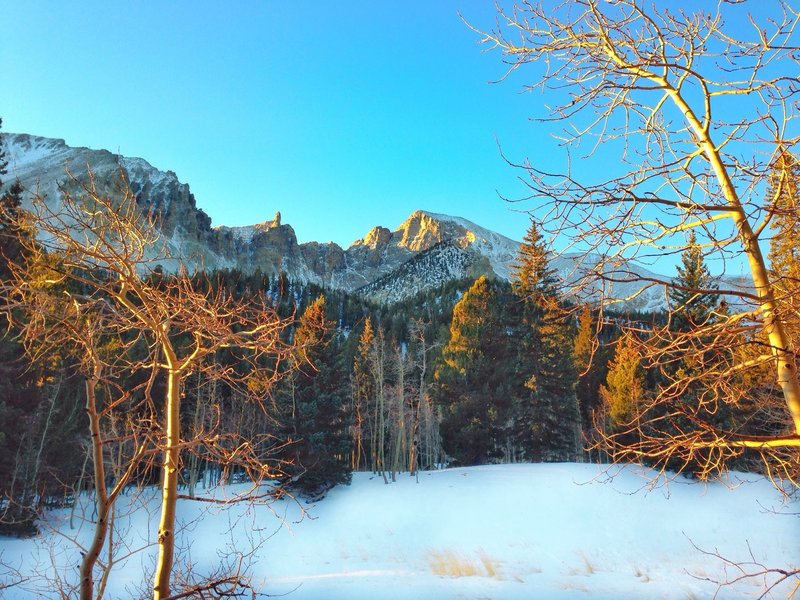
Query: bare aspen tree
[[55, 321], [424, 446], [377, 362], [195, 462], [398, 420], [369, 393], [682, 114], [105, 249]]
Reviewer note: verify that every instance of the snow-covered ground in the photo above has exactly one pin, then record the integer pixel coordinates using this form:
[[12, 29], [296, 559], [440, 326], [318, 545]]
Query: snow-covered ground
[[504, 531]]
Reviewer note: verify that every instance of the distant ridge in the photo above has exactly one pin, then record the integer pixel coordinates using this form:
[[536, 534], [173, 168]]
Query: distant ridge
[[424, 252]]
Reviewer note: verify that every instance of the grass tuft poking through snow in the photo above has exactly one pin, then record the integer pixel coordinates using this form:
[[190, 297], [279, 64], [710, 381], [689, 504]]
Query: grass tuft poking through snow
[[450, 563]]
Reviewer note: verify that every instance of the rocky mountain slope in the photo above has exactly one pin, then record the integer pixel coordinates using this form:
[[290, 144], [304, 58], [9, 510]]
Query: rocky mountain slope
[[425, 251]]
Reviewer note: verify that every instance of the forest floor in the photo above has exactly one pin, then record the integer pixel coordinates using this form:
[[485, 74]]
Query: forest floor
[[501, 531]]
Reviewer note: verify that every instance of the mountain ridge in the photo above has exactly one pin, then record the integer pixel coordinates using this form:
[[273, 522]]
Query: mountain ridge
[[426, 250]]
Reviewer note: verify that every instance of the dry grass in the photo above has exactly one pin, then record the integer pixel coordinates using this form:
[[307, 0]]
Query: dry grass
[[451, 564], [590, 569], [489, 565], [448, 563]]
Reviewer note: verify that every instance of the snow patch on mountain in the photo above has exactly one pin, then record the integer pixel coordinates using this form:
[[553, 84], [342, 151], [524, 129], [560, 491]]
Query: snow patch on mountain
[[499, 249]]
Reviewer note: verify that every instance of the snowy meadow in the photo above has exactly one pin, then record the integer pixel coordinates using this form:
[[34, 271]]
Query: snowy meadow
[[501, 531]]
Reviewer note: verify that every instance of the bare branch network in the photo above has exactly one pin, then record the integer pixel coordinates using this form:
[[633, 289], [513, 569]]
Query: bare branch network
[[691, 117], [88, 292]]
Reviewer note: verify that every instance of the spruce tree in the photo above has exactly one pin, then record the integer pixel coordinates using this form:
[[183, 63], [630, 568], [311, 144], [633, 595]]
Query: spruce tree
[[547, 418], [624, 390], [591, 365], [19, 398], [531, 275], [784, 245], [361, 392], [694, 300], [321, 444], [692, 397], [473, 377], [10, 205]]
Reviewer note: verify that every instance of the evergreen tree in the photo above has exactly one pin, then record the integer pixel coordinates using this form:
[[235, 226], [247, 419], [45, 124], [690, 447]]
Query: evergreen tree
[[692, 396], [321, 444], [547, 418], [531, 275], [474, 375], [376, 362], [361, 392], [591, 364], [695, 299], [20, 398], [784, 245], [624, 391], [10, 205]]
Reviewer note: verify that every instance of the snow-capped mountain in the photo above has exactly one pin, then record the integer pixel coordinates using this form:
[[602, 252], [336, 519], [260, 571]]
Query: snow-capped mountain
[[423, 252]]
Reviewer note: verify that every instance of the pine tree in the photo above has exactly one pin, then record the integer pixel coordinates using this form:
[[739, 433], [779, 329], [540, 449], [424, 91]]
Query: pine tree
[[624, 391], [20, 398], [591, 365], [473, 377], [694, 300], [703, 349], [376, 362], [10, 205], [784, 245], [321, 446], [361, 391], [531, 275], [547, 418]]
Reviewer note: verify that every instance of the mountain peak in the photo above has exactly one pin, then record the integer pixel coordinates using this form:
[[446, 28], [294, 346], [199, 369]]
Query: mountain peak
[[377, 236], [245, 233], [421, 230]]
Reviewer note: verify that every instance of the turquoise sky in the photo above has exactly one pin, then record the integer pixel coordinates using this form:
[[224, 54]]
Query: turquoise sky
[[341, 115]]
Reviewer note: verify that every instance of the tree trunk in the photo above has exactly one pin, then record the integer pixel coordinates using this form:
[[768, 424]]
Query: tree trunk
[[101, 496], [774, 327], [169, 498], [197, 427]]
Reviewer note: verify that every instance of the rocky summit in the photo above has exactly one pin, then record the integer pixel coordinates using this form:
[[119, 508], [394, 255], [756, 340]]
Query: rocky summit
[[424, 252]]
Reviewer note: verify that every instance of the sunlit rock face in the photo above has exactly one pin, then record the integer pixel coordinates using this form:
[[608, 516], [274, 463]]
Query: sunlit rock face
[[424, 252]]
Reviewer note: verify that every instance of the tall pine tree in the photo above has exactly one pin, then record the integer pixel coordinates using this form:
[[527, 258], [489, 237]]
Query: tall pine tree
[[19, 396], [591, 363], [319, 419], [694, 300], [547, 421], [361, 392], [624, 390], [473, 378]]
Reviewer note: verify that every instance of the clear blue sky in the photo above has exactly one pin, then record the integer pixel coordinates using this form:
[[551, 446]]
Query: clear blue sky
[[342, 115]]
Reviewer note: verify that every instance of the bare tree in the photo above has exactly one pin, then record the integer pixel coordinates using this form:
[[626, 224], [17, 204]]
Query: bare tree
[[425, 449], [89, 285], [685, 113]]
